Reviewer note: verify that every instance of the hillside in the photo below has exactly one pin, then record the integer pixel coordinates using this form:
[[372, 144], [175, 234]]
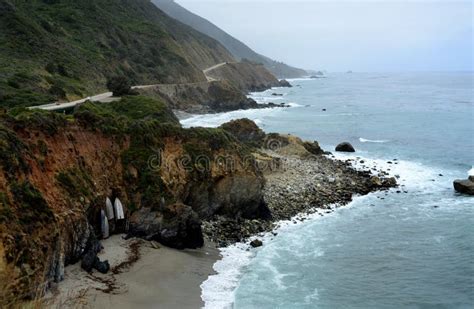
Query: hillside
[[246, 76], [236, 47], [66, 49]]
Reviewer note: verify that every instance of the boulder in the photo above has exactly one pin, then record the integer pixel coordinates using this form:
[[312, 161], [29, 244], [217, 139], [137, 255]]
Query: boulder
[[90, 259], [181, 228], [102, 267], [382, 182], [345, 147], [465, 186], [177, 226], [256, 243]]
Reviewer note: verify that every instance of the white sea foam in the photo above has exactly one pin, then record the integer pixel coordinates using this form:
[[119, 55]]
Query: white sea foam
[[410, 175], [299, 79], [218, 291], [471, 172], [364, 140], [215, 120]]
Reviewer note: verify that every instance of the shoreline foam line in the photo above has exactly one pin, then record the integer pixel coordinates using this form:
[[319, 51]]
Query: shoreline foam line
[[218, 291]]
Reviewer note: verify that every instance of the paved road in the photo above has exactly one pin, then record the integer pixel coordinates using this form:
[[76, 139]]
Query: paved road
[[107, 96], [103, 97], [214, 67]]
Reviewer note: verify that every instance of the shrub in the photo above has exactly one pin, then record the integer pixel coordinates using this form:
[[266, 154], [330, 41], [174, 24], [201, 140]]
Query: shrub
[[119, 86]]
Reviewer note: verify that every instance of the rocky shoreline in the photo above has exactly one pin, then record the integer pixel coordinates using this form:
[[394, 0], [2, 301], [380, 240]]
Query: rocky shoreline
[[298, 182], [299, 179]]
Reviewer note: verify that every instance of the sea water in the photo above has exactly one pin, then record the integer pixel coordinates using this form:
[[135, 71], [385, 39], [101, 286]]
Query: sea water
[[411, 249]]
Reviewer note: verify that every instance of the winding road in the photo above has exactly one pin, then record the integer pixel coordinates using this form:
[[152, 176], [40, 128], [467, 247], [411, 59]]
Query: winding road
[[107, 96]]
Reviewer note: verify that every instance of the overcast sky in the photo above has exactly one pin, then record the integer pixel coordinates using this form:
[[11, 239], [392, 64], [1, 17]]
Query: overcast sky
[[367, 35]]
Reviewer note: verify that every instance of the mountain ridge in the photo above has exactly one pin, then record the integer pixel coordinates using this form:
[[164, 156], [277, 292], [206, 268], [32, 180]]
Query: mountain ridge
[[238, 49], [66, 50]]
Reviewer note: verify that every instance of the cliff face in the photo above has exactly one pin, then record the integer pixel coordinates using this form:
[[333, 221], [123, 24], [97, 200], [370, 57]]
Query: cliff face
[[56, 172], [200, 98], [67, 49], [237, 48]]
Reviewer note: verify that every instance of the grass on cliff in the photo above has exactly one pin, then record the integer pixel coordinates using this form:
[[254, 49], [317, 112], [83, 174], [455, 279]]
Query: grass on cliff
[[118, 117], [12, 153]]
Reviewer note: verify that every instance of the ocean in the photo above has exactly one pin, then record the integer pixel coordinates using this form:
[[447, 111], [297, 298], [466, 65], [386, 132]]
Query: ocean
[[412, 249]]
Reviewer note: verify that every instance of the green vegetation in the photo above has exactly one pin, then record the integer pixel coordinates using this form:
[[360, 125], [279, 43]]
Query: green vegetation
[[76, 182], [119, 86], [12, 151], [51, 50], [47, 122], [139, 107], [122, 117], [32, 207], [6, 213]]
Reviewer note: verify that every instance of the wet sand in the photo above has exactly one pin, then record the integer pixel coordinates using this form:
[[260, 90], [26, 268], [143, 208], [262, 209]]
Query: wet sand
[[160, 278]]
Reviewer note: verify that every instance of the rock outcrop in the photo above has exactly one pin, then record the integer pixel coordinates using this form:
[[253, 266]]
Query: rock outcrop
[[465, 186], [246, 131], [298, 179], [206, 97], [176, 226]]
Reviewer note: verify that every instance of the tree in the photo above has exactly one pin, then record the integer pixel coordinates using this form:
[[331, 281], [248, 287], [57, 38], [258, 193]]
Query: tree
[[119, 86]]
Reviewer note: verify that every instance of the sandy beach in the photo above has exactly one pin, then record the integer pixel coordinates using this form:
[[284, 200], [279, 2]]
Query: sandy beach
[[160, 277]]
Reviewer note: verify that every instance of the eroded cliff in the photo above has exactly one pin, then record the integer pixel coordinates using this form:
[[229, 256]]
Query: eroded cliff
[[56, 172]]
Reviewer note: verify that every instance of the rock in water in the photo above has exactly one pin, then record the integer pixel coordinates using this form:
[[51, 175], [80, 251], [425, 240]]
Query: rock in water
[[256, 243], [345, 147], [465, 186]]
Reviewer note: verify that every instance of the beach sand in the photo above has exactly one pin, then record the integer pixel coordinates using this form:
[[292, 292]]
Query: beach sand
[[160, 278]]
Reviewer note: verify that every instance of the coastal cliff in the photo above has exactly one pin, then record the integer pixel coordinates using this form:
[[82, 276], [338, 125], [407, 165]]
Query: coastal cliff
[[178, 185], [56, 172], [205, 97]]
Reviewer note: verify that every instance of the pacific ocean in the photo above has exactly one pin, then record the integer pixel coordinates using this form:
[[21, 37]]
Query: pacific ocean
[[412, 247]]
